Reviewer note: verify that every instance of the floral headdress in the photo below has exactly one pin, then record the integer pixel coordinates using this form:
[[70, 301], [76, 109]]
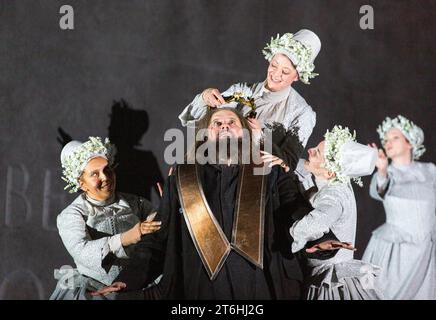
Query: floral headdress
[[333, 151], [411, 131], [302, 56], [75, 156]]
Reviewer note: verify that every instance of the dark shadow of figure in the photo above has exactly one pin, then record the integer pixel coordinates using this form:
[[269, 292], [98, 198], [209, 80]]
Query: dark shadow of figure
[[137, 170]]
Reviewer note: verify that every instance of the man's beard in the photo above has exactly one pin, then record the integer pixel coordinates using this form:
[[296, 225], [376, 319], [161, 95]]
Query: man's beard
[[227, 150]]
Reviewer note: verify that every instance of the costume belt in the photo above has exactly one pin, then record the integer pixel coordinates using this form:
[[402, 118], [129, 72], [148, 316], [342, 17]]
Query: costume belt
[[206, 233]]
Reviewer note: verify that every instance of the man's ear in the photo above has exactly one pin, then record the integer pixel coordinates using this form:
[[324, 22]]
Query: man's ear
[[82, 184], [329, 174]]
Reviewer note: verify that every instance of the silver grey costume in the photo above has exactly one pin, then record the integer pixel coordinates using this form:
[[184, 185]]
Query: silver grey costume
[[341, 277], [404, 247], [90, 231]]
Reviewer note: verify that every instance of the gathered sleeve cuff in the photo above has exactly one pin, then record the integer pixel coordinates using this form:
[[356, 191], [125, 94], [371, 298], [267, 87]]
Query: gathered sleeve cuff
[[193, 111], [115, 246], [379, 186]]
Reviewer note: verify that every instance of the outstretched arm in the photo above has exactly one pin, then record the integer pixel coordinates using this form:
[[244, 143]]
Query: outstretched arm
[[146, 262], [296, 207]]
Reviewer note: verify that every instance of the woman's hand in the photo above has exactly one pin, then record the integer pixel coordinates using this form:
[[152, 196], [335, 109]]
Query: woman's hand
[[330, 245], [212, 97], [271, 160], [382, 161], [114, 287], [255, 125], [131, 236], [150, 226]]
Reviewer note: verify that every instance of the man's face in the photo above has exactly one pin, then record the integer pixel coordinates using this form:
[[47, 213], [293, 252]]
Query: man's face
[[281, 73], [315, 163], [225, 124], [396, 144], [98, 179]]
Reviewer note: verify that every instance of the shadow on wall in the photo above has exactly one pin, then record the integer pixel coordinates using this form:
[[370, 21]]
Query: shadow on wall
[[137, 170]]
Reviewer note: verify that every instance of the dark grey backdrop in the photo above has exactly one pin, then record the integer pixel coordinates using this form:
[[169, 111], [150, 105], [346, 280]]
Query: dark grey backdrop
[[155, 55]]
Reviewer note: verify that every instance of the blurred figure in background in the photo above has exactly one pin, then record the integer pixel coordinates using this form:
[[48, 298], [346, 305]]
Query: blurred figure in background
[[404, 247]]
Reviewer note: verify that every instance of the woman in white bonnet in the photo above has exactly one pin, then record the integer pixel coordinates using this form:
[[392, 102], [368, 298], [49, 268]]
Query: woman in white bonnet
[[291, 58], [335, 163], [101, 225], [404, 247]]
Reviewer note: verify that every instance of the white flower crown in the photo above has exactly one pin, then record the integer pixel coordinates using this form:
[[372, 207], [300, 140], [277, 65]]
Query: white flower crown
[[411, 131], [334, 140], [74, 164], [289, 44]]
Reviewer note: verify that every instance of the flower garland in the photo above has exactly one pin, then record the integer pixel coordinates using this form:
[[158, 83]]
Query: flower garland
[[303, 54], [411, 131], [334, 140], [74, 164]]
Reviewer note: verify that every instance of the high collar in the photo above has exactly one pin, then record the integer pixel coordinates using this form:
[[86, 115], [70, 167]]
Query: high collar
[[102, 203], [274, 97]]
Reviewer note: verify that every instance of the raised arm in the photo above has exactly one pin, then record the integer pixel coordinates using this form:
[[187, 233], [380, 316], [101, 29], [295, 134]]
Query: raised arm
[[380, 182], [212, 97]]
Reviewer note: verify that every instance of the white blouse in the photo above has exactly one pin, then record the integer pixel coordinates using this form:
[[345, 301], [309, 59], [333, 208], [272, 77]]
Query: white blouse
[[91, 232]]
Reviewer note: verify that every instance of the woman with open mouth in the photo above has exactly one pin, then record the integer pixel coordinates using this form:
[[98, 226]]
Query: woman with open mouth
[[101, 226]]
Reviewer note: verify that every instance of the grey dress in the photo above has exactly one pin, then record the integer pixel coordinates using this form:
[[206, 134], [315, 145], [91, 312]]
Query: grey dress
[[286, 107], [404, 247], [341, 277], [90, 231]]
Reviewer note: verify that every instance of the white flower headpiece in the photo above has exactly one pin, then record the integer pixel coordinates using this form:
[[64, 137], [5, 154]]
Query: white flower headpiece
[[75, 157], [303, 59], [411, 131], [334, 141]]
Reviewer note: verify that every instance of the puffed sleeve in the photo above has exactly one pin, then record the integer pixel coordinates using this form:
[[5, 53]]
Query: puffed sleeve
[[294, 207], [300, 115], [197, 108], [305, 122], [318, 222], [85, 251], [193, 111]]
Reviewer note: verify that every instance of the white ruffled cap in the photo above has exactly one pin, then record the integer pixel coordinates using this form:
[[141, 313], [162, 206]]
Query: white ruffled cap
[[69, 149], [309, 39], [357, 160], [410, 130]]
